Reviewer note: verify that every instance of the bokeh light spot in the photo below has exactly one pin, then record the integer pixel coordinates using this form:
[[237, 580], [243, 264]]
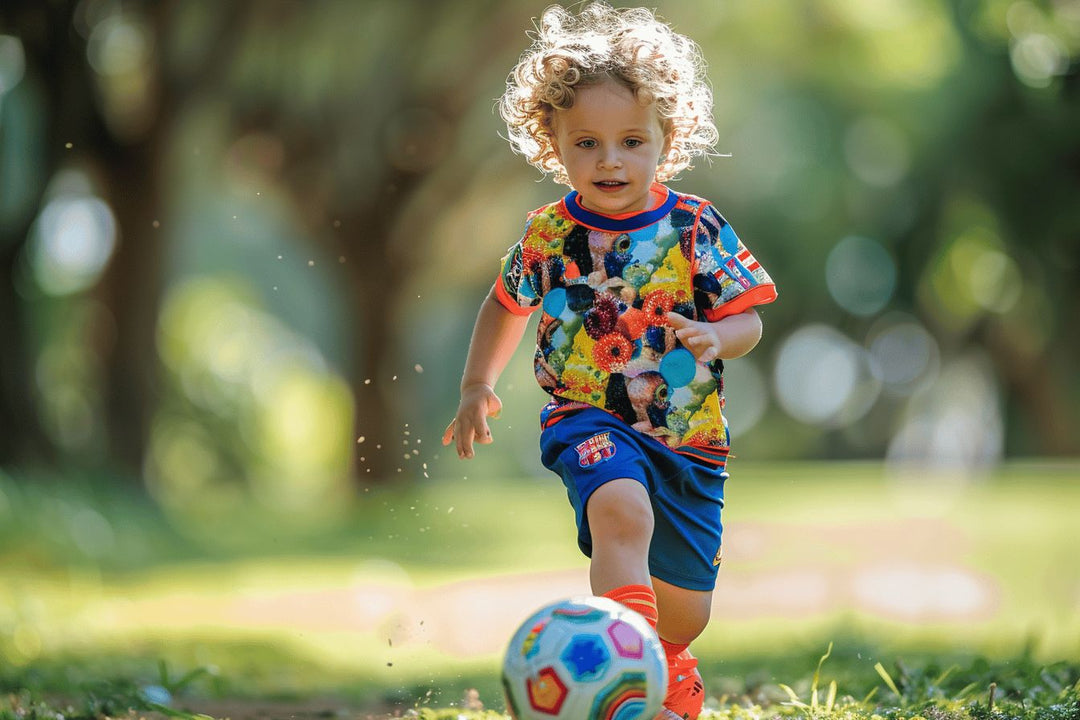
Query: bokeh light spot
[[1037, 59], [860, 275], [904, 354], [823, 378], [954, 423], [12, 63], [74, 238], [118, 46], [877, 151]]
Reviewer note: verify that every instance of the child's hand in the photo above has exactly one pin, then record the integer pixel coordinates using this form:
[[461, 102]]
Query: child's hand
[[478, 403], [700, 338]]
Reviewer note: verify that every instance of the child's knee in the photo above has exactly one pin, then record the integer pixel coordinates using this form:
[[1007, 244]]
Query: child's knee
[[620, 511]]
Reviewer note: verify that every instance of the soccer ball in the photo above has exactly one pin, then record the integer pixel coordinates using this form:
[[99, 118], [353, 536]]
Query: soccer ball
[[584, 658]]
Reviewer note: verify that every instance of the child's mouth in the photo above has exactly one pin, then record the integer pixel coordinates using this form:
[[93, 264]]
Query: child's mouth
[[609, 185]]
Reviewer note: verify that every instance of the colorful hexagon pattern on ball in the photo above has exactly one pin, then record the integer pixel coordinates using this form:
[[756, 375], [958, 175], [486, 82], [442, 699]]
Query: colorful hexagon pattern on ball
[[547, 692], [626, 640], [584, 658]]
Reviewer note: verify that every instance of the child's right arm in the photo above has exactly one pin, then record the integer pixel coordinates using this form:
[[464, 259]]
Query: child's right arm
[[495, 337]]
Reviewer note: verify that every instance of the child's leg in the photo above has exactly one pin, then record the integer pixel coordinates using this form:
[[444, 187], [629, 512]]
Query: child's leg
[[621, 521], [683, 614]]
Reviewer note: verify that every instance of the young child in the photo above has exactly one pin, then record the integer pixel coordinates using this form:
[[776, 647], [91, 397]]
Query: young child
[[643, 293]]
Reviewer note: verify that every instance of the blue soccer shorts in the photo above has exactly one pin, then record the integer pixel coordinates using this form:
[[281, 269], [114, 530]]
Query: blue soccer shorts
[[591, 447]]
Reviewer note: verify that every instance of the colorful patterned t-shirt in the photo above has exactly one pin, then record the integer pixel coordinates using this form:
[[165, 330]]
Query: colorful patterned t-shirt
[[605, 285]]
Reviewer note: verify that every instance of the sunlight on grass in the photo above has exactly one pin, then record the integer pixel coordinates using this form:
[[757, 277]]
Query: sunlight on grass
[[422, 585]]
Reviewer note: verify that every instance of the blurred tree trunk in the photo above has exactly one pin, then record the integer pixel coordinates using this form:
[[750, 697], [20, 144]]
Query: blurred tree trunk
[[21, 436], [43, 30], [132, 289], [127, 167]]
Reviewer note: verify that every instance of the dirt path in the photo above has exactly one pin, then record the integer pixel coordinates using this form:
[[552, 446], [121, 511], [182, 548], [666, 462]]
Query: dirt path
[[911, 570], [907, 570]]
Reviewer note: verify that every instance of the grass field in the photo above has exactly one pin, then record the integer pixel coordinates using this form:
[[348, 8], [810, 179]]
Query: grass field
[[937, 585]]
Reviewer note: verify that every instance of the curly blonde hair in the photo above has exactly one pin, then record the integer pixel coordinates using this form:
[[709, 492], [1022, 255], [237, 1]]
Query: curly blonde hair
[[630, 46]]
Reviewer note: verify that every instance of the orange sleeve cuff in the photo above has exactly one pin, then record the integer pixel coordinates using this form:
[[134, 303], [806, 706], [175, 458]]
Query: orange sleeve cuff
[[509, 303], [757, 295]]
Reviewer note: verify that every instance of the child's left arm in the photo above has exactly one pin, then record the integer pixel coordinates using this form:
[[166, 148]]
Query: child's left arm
[[727, 338]]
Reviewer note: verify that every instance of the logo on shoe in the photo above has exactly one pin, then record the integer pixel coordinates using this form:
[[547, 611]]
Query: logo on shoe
[[595, 450]]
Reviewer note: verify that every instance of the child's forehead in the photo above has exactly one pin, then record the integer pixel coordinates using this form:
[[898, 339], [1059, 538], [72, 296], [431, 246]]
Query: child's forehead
[[609, 103]]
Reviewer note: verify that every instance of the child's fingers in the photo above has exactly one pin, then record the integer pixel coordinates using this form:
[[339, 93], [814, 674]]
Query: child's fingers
[[448, 434], [702, 346], [464, 439], [678, 321]]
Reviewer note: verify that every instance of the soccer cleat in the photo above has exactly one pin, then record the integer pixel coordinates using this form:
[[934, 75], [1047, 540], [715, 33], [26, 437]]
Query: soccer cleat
[[686, 693]]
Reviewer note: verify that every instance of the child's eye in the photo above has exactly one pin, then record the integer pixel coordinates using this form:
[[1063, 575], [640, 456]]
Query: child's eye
[[587, 144], [632, 142]]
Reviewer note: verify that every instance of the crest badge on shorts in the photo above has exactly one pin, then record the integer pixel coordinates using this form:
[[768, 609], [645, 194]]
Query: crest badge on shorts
[[595, 450]]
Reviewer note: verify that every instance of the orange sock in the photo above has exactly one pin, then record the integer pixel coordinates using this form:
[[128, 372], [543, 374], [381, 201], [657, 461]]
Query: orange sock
[[639, 598], [672, 649]]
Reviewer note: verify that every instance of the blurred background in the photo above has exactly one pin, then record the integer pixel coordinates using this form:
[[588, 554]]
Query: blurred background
[[242, 245]]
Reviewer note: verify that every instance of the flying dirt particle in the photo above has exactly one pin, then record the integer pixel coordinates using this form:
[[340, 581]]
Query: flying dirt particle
[[311, 263], [360, 439], [394, 378], [418, 368], [367, 381], [69, 145], [156, 224]]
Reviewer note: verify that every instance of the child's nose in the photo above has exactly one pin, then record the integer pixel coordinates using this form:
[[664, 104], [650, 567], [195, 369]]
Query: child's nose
[[609, 158]]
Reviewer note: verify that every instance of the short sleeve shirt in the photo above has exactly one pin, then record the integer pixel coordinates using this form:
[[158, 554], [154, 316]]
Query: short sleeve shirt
[[605, 285]]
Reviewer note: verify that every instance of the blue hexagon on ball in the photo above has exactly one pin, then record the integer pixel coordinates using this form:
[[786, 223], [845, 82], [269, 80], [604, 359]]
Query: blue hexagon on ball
[[586, 657]]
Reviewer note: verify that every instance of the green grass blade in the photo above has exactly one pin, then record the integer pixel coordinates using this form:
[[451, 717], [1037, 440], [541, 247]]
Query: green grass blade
[[793, 695], [887, 678], [817, 676]]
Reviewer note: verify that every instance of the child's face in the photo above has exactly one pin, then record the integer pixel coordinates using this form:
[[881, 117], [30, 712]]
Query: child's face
[[610, 145]]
